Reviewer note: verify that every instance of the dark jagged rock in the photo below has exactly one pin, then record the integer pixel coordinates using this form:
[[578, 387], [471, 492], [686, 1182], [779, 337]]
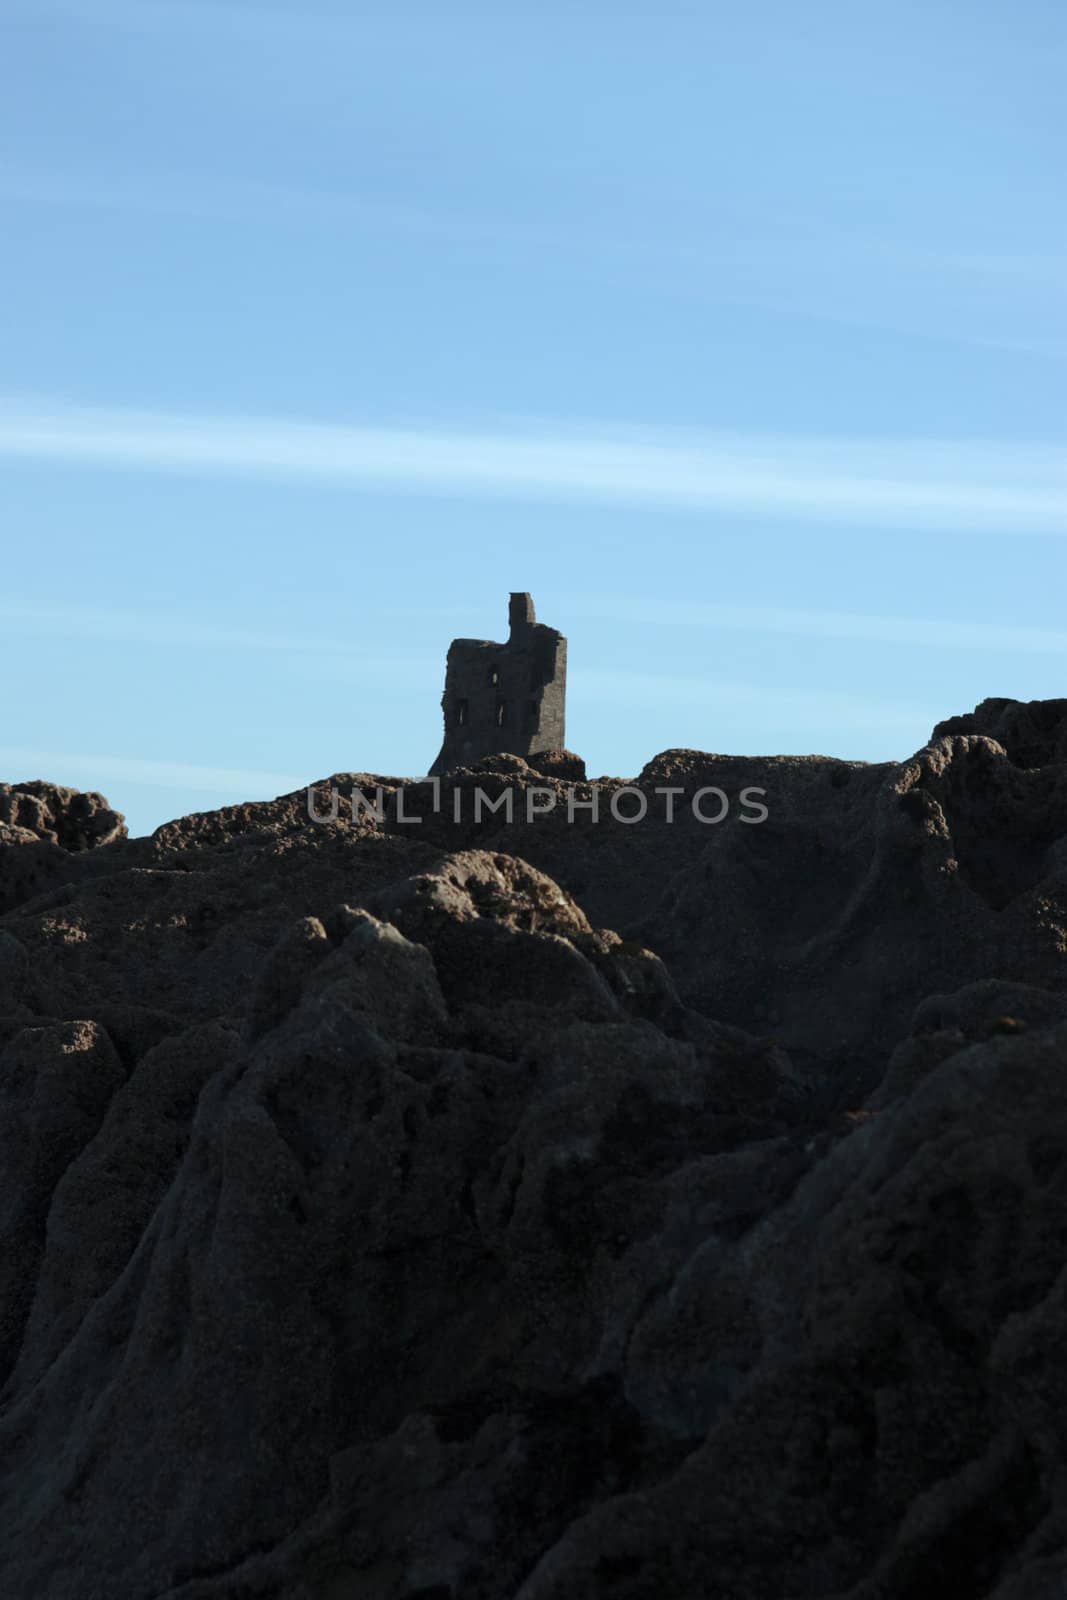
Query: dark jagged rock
[[40, 824], [72, 818], [559, 764], [1033, 733], [547, 1210]]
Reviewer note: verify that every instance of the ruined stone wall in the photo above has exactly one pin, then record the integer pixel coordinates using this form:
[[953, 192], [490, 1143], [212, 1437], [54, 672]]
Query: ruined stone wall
[[505, 697]]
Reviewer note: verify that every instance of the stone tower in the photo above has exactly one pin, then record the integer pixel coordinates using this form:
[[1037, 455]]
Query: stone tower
[[504, 697]]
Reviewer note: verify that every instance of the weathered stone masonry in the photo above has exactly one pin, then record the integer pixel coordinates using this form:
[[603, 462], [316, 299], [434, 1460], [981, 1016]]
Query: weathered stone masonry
[[504, 697]]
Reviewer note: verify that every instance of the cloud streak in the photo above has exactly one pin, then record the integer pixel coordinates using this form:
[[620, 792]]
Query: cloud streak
[[826, 710], [61, 766], [927, 632], [837, 279], [166, 630], [981, 487]]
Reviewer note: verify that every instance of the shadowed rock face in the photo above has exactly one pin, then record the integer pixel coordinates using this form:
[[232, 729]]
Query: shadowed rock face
[[52, 821], [1032, 733], [549, 1210]]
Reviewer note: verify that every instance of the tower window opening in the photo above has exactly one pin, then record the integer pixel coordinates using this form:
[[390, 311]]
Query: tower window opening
[[501, 713], [494, 676], [461, 713]]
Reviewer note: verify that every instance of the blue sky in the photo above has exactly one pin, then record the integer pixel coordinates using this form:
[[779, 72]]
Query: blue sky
[[735, 334]]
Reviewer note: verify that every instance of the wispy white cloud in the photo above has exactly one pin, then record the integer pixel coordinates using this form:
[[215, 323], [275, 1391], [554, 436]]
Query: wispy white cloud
[[930, 291], [825, 710], [164, 628], [209, 196], [167, 629], [240, 23], [851, 283], [925, 631], [21, 763], [307, 656], [982, 487]]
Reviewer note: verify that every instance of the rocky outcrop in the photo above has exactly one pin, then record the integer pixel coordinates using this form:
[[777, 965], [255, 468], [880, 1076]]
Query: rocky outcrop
[[40, 824], [548, 1210], [559, 764], [1032, 733], [69, 817]]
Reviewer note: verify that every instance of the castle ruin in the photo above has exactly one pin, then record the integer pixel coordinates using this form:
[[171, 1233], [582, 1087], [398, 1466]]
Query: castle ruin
[[504, 697]]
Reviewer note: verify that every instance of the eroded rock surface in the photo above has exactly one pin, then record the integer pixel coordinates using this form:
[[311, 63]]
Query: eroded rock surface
[[40, 824], [549, 1210]]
